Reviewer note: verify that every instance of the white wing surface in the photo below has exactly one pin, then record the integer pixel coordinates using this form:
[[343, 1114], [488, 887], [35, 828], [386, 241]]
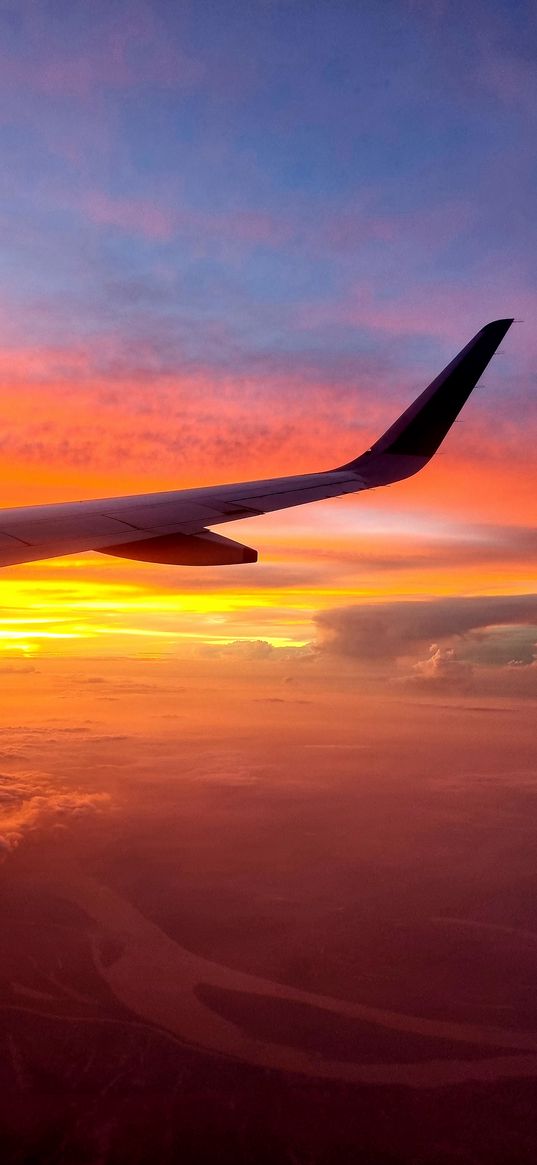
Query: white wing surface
[[174, 527]]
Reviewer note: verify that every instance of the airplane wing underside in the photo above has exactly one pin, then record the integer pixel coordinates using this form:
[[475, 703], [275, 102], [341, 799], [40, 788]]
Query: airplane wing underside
[[174, 527]]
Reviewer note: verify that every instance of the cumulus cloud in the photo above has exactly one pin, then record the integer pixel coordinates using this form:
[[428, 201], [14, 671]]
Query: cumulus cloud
[[442, 669], [256, 650], [243, 648], [29, 801]]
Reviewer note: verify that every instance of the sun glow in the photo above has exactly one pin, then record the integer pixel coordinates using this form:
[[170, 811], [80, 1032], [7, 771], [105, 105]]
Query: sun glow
[[54, 607]]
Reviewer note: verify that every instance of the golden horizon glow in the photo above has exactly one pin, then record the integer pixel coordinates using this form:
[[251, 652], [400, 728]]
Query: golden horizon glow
[[60, 608]]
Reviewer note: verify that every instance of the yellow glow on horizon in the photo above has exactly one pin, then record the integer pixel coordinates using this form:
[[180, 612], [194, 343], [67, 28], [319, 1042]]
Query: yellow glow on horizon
[[106, 606]]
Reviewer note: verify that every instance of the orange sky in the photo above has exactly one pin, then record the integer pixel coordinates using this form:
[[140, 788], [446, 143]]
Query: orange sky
[[222, 295]]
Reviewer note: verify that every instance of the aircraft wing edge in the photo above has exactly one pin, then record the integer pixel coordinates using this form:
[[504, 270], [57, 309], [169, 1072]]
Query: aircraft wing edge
[[413, 439]]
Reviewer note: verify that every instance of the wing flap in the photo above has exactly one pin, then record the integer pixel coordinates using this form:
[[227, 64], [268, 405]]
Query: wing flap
[[203, 549]]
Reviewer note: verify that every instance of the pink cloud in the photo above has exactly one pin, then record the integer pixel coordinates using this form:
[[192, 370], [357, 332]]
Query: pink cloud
[[130, 50], [135, 215], [432, 228], [447, 311], [332, 232], [165, 215]]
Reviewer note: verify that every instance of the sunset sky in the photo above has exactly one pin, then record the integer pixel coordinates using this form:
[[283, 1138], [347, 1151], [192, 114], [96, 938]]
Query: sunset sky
[[267, 831], [236, 242]]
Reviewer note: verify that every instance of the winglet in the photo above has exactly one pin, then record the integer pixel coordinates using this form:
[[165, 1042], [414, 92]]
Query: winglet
[[413, 439]]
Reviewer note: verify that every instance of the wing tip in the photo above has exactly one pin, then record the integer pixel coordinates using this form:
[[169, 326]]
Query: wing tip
[[500, 326], [419, 431]]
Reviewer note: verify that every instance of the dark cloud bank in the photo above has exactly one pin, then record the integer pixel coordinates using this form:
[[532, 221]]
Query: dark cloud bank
[[448, 642]]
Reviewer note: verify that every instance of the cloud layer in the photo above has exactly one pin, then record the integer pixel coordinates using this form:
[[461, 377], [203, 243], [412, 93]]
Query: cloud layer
[[28, 804]]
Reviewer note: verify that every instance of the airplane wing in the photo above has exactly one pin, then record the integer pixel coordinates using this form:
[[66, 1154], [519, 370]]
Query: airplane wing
[[173, 527]]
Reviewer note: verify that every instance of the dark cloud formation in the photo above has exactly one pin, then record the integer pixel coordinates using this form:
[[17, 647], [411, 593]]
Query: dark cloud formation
[[513, 645], [379, 631], [451, 644]]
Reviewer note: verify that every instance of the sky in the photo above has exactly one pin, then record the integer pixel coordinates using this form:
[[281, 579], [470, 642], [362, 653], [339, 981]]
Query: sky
[[236, 241], [238, 238]]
